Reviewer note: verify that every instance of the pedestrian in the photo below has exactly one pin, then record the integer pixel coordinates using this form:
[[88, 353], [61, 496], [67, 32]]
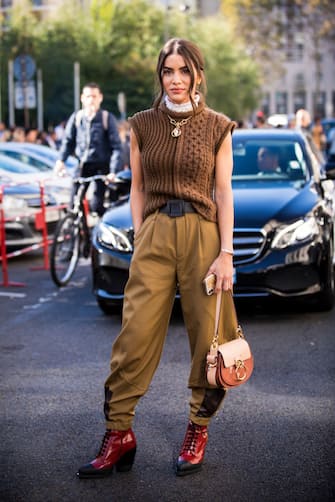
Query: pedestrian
[[124, 137], [59, 133], [91, 135], [182, 210], [2, 131], [303, 123], [50, 138], [303, 120], [260, 122], [318, 134], [5, 133], [32, 135], [19, 134]]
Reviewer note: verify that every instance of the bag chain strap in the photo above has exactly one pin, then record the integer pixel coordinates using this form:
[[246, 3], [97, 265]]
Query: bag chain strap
[[239, 331]]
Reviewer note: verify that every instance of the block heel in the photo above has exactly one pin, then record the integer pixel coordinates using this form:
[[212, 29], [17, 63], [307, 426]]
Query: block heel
[[117, 450], [126, 461]]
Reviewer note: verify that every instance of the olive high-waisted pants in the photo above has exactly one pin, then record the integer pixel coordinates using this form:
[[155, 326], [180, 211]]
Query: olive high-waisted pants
[[168, 251]]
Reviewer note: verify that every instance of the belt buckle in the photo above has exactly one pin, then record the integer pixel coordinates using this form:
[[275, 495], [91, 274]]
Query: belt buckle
[[175, 208]]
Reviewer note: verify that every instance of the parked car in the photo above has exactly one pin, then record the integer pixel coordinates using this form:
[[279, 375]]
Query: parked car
[[38, 155], [23, 172], [21, 204], [278, 120], [284, 226]]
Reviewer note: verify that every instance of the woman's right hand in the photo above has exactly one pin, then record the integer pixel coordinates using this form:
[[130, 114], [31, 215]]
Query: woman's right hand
[[60, 168]]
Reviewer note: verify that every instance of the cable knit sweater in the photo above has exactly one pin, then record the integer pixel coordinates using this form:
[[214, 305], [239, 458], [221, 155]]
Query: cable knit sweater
[[182, 167]]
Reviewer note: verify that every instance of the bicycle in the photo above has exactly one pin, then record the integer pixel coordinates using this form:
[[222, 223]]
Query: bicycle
[[72, 237]]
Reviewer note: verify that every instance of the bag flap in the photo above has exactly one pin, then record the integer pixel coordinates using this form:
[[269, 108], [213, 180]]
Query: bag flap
[[236, 350]]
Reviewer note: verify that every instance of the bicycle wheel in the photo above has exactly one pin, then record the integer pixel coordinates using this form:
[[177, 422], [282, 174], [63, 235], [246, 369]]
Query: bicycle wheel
[[65, 250]]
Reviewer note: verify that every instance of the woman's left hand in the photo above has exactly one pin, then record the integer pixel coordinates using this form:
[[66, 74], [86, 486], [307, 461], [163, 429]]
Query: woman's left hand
[[223, 269]]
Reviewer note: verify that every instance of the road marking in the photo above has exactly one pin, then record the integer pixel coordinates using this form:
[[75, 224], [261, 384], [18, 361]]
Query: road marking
[[13, 295], [32, 307]]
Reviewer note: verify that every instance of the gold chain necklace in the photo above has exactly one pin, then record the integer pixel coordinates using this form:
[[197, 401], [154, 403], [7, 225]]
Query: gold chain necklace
[[176, 132]]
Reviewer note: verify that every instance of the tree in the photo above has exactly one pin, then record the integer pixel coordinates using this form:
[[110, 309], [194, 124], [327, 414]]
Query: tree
[[116, 44], [273, 29], [233, 77], [264, 22]]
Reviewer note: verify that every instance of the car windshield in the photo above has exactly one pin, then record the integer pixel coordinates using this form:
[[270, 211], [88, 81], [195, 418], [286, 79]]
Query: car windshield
[[16, 168], [28, 159], [269, 160]]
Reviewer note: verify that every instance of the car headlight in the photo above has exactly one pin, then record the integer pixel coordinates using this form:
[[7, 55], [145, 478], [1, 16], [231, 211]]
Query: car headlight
[[296, 233], [113, 238], [14, 204]]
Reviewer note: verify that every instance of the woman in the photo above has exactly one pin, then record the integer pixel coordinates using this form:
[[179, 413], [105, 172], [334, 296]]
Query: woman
[[181, 153]]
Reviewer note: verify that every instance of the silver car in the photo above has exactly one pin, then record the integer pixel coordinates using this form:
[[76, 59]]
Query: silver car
[[21, 208]]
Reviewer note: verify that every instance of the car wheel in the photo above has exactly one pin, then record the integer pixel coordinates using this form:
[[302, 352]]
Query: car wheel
[[326, 298], [109, 308]]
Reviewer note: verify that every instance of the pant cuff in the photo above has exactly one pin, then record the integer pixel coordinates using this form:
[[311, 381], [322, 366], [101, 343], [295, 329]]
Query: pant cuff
[[200, 420], [118, 425]]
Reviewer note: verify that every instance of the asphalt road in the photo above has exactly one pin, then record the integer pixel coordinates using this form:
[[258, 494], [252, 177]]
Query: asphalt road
[[273, 440]]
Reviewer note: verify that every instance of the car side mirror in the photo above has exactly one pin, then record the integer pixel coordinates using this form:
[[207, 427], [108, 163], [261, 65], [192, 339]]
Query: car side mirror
[[330, 169]]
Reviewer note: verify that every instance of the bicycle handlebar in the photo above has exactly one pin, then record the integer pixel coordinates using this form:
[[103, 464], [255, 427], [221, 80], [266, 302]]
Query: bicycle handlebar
[[81, 179], [116, 181]]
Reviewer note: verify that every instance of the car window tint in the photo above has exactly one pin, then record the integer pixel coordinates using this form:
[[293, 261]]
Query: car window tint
[[16, 168], [281, 159], [27, 159]]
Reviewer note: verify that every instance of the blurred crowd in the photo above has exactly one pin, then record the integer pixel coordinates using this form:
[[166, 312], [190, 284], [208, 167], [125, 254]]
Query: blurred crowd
[[54, 136], [324, 141]]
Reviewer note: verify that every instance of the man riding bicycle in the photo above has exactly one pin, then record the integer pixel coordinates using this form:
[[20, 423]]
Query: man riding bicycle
[[91, 134]]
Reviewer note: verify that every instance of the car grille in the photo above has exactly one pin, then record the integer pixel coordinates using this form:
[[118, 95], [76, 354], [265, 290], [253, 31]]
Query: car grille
[[248, 244], [34, 201]]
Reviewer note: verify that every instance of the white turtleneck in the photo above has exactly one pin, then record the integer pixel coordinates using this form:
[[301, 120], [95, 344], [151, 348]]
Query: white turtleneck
[[180, 108]]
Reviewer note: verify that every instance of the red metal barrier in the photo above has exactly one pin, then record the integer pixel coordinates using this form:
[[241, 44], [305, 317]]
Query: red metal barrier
[[42, 225], [86, 207]]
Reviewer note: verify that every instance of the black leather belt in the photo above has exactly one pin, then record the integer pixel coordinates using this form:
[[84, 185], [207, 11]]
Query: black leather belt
[[177, 207]]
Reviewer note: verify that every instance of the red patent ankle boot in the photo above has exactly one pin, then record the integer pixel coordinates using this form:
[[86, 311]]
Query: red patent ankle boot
[[193, 450], [118, 448]]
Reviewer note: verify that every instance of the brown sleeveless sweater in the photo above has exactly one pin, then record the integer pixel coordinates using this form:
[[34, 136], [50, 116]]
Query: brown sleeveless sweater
[[183, 167]]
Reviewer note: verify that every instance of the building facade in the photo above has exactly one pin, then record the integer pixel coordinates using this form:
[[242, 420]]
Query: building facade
[[307, 80], [307, 76]]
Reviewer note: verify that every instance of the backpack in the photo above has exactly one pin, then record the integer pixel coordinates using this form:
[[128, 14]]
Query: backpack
[[80, 113]]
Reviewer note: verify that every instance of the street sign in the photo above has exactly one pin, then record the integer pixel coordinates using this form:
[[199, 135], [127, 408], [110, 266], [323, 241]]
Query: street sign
[[24, 67], [25, 95]]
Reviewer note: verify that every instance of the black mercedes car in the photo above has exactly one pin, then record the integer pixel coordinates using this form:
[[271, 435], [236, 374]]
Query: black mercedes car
[[284, 225]]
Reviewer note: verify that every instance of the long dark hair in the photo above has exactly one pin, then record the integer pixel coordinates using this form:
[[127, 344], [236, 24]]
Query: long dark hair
[[193, 60]]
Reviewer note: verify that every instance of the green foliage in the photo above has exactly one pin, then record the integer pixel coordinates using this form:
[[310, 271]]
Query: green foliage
[[271, 28], [232, 77], [263, 23], [117, 44]]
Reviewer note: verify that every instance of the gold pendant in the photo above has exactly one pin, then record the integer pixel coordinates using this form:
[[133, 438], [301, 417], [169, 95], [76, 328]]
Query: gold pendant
[[176, 132]]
